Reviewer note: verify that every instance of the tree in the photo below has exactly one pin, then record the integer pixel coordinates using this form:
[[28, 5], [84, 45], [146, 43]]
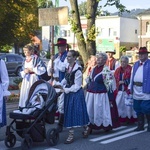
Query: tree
[[88, 47], [45, 3], [17, 20], [82, 9]]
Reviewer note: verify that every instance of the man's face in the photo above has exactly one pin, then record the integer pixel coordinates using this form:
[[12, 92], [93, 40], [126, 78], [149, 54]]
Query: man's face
[[143, 57], [61, 49]]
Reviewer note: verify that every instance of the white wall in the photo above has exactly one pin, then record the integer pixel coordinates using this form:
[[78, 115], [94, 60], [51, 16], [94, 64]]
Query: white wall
[[45, 37], [127, 30]]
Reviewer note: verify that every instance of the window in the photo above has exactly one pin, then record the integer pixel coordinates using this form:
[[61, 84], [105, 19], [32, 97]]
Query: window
[[136, 31], [18, 58], [68, 33], [115, 33], [147, 27], [110, 31], [10, 58], [148, 45], [63, 33]]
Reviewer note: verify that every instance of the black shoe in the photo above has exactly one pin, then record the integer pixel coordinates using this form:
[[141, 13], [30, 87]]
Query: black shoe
[[139, 129]]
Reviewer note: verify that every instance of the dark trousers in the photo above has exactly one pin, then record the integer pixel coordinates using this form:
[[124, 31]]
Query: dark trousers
[[141, 106]]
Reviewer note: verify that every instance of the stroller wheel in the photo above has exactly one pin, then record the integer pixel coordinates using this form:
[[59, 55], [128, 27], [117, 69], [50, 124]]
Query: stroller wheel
[[52, 137], [10, 140], [26, 143]]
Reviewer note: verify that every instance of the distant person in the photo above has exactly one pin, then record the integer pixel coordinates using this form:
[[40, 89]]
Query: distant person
[[122, 76], [33, 68], [140, 88], [111, 62], [89, 66], [4, 83]]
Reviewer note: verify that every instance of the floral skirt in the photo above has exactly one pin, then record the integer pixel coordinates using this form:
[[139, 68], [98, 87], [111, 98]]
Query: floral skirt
[[75, 111]]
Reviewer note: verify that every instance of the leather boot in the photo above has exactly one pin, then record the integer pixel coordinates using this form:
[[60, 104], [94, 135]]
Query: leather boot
[[140, 126], [60, 123], [148, 122]]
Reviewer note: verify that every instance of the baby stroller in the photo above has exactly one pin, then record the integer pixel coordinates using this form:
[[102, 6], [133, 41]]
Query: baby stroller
[[31, 127]]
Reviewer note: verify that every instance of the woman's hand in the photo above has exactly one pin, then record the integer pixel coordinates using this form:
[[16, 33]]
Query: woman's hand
[[26, 70]]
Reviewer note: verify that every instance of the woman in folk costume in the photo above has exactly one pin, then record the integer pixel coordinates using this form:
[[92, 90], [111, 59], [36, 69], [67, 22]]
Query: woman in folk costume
[[33, 67], [101, 80], [4, 83], [75, 111], [122, 76]]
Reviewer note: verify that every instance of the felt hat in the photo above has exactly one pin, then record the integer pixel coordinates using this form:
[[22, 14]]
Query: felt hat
[[61, 42], [143, 50]]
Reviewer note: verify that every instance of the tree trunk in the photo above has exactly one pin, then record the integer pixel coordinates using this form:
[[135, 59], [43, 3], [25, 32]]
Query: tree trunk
[[85, 48], [91, 13], [79, 34], [16, 47]]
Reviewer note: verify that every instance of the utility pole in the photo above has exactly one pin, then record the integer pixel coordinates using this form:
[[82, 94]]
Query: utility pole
[[56, 27]]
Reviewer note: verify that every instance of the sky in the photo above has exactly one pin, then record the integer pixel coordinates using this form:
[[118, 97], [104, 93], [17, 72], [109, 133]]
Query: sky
[[130, 4]]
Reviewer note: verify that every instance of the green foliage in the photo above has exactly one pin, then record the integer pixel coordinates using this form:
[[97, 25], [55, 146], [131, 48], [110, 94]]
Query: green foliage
[[5, 48], [17, 20], [48, 55], [91, 35], [45, 3], [83, 8], [118, 5], [74, 26], [17, 80], [123, 49]]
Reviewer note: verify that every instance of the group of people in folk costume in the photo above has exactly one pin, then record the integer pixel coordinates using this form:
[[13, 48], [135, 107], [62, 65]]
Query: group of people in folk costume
[[102, 106]]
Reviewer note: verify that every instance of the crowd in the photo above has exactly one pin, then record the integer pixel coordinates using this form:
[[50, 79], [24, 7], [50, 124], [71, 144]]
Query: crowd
[[114, 92]]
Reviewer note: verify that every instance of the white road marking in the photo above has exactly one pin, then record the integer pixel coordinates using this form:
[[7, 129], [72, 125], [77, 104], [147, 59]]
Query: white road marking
[[115, 134], [121, 137], [51, 149]]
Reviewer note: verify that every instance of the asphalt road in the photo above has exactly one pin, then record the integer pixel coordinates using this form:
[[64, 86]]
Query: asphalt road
[[122, 138]]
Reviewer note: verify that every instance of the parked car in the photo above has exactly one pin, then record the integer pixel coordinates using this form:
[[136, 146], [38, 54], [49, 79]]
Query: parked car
[[13, 63]]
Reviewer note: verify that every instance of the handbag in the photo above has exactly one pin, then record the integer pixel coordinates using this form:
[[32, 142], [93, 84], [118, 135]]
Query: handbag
[[129, 100]]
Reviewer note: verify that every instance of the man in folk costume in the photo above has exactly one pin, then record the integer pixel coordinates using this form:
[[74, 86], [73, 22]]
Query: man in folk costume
[[58, 68], [140, 88], [111, 62]]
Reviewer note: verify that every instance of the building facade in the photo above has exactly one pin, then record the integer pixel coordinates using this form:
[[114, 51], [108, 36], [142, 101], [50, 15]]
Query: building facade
[[112, 32], [144, 32]]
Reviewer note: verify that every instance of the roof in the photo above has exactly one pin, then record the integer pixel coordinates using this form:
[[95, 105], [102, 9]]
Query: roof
[[147, 12]]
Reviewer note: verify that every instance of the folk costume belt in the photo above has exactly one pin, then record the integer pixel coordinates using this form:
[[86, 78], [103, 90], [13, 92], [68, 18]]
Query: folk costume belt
[[138, 83], [31, 73]]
